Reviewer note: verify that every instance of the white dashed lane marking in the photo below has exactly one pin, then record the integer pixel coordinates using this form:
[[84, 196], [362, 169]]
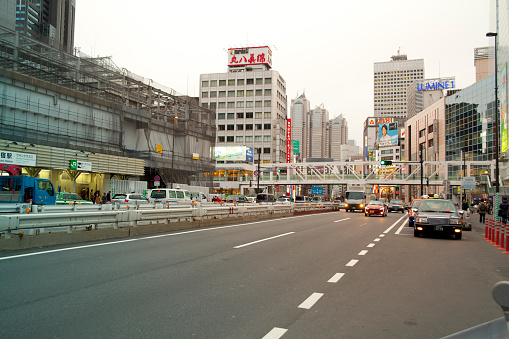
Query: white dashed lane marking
[[275, 333], [309, 302], [336, 278], [352, 262], [363, 252], [371, 245]]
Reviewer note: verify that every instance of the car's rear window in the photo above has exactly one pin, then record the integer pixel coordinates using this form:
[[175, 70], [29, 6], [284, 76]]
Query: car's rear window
[[120, 196]]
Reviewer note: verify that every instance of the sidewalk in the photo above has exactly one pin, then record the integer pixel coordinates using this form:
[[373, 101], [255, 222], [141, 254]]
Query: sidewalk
[[480, 227]]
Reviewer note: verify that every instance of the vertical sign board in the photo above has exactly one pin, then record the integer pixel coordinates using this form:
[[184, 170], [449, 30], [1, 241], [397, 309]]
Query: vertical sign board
[[503, 109], [289, 141]]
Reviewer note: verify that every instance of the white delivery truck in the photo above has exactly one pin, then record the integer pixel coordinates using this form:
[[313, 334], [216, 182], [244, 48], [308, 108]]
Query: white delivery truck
[[355, 198]]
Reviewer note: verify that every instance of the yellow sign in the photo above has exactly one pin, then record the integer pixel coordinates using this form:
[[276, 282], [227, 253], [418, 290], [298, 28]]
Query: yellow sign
[[159, 148]]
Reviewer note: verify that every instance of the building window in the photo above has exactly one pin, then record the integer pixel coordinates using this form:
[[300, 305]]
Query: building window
[[222, 82], [422, 132], [240, 115], [240, 139], [230, 127], [259, 81], [249, 104], [222, 94], [249, 127], [258, 104], [249, 115], [249, 138], [430, 143], [249, 93], [258, 115], [231, 104], [221, 105], [266, 150], [268, 91], [266, 115], [220, 115], [213, 94], [231, 93], [240, 82], [259, 92], [250, 81], [240, 93], [220, 139], [240, 127], [230, 138], [258, 127], [230, 116], [268, 103], [268, 80], [266, 138], [213, 83], [258, 138], [430, 129], [240, 104], [213, 105], [231, 82], [266, 126], [204, 94], [221, 127], [205, 83]]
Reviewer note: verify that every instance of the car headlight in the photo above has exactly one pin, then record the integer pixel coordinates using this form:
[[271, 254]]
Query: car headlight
[[362, 205], [346, 205], [422, 220], [454, 221]]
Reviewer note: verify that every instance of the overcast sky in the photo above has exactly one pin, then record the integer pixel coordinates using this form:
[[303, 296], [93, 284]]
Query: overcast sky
[[325, 48]]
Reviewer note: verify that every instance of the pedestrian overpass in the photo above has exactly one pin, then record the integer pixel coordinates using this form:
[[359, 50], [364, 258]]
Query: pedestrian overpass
[[435, 173]]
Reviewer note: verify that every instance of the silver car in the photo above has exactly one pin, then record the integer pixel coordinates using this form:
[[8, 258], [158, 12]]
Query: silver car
[[130, 198]]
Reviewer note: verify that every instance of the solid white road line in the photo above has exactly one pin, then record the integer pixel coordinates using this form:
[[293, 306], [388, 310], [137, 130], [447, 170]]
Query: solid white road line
[[309, 302], [352, 262], [336, 278], [401, 227], [363, 252], [275, 333], [342, 220], [371, 245], [390, 228], [257, 241]]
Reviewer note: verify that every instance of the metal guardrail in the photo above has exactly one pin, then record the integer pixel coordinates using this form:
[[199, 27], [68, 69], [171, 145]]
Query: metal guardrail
[[118, 215]]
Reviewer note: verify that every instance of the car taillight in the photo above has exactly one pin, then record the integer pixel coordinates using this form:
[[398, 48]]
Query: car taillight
[[126, 201]]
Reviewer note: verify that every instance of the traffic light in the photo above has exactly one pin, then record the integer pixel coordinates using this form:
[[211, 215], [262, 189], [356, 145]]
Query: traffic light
[[385, 162]]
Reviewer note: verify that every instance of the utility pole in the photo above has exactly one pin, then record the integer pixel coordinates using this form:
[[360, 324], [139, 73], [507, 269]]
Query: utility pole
[[258, 176], [422, 173]]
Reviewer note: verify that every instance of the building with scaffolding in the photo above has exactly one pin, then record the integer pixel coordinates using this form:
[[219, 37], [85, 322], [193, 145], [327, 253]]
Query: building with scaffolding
[[64, 107]]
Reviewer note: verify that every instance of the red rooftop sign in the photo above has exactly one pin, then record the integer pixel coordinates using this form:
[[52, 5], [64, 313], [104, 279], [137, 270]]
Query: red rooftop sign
[[250, 56]]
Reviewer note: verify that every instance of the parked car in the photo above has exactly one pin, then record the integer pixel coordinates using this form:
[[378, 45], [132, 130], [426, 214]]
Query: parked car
[[412, 210], [170, 196], [64, 198], [130, 198], [438, 216], [396, 205], [302, 199], [251, 199], [265, 198], [198, 197], [375, 208]]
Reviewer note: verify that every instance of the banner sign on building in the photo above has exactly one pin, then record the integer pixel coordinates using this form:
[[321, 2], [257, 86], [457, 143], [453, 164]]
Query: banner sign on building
[[289, 140], [503, 109], [15, 158], [233, 153], [384, 120], [388, 134], [371, 122], [296, 146], [76, 165], [250, 56], [433, 86]]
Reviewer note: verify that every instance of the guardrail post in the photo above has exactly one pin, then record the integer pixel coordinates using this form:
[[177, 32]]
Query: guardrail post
[[8, 234]]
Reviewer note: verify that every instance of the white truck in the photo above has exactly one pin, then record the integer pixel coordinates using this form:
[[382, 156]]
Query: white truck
[[355, 198]]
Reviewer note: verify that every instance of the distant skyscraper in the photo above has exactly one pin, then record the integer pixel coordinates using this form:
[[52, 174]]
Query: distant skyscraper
[[319, 118], [299, 113], [338, 135], [48, 21], [391, 80]]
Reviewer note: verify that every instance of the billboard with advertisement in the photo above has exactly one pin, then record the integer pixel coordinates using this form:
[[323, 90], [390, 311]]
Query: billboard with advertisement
[[388, 134], [233, 153], [503, 109], [289, 141], [250, 56]]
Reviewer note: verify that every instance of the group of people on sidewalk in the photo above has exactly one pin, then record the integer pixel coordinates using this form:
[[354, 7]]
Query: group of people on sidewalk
[[483, 208]]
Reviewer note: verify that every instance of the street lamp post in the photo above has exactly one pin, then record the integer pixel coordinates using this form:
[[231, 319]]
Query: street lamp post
[[173, 151], [497, 187]]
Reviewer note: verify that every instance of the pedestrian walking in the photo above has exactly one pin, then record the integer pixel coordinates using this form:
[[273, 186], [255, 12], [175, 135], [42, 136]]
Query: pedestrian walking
[[482, 209], [97, 197], [502, 210], [108, 196], [104, 199]]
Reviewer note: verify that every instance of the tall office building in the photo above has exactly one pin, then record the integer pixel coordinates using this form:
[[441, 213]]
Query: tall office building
[[391, 80], [250, 103], [337, 136], [299, 113], [319, 118], [48, 21]]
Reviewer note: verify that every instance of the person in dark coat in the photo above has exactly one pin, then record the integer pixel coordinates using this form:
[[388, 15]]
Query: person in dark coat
[[502, 210], [482, 209], [108, 196]]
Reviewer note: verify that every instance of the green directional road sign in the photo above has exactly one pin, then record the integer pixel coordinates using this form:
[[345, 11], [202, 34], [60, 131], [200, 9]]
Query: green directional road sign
[[73, 165]]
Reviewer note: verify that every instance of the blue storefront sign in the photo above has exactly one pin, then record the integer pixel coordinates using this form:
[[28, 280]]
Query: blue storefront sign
[[433, 86]]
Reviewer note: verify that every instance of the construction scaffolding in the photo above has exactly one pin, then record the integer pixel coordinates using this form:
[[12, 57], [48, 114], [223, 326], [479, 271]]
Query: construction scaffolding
[[110, 107]]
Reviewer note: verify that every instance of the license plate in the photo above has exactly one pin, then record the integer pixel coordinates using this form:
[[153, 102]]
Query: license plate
[[439, 228], [371, 211]]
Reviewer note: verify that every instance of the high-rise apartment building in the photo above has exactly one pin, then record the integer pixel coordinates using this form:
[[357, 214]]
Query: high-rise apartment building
[[319, 118], [299, 113], [391, 80], [250, 103]]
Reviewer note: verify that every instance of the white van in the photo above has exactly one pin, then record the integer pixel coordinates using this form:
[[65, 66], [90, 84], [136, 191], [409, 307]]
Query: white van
[[302, 199], [170, 196], [199, 197]]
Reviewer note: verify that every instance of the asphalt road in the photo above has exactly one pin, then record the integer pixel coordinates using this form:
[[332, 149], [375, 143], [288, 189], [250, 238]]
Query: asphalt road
[[333, 275]]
